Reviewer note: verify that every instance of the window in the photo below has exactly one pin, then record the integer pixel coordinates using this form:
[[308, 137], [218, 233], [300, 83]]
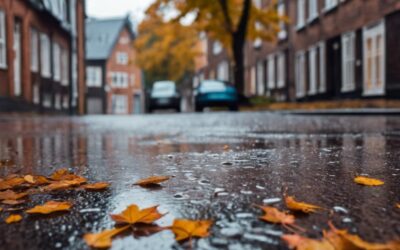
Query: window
[[93, 75], [322, 67], [223, 71], [217, 48], [65, 102], [301, 13], [64, 68], [281, 64], [300, 74], [47, 102], [56, 61], [348, 62], [122, 58], [124, 40], [260, 78], [34, 50], [253, 84], [374, 59], [312, 10], [330, 4], [271, 72], [312, 65], [36, 94], [45, 55], [3, 46], [282, 26], [119, 79], [119, 104], [57, 101]]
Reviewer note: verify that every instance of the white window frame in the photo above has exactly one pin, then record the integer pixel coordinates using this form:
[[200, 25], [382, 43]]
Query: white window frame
[[34, 50], [119, 104], [348, 62], [45, 55], [282, 25], [56, 61], [119, 79], [300, 74], [3, 40], [216, 48], [223, 71], [312, 10], [122, 58], [312, 69], [57, 101], [260, 78], [94, 76], [372, 32], [301, 13], [330, 4], [322, 67], [65, 102], [64, 67], [271, 71], [281, 70]]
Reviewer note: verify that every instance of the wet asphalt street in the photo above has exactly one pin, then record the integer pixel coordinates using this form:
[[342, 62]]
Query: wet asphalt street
[[314, 157]]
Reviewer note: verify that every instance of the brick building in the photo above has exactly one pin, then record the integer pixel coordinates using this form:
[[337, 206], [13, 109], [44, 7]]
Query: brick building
[[114, 82], [42, 55], [330, 49]]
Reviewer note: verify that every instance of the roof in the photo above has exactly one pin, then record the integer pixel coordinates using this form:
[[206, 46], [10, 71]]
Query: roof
[[102, 34]]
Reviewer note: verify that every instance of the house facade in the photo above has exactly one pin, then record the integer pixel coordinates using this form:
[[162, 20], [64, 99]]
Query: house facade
[[41, 55], [114, 82], [330, 49]]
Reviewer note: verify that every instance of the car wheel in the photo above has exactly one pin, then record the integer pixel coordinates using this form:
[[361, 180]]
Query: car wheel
[[199, 109], [233, 108]]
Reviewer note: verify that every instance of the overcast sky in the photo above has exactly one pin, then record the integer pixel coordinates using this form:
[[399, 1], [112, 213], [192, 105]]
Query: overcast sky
[[113, 8]]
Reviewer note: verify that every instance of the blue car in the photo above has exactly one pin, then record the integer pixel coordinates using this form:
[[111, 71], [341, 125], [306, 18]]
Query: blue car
[[213, 93]]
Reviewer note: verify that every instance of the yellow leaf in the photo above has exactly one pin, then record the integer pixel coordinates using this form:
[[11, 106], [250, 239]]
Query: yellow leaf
[[102, 239], [50, 207], [13, 218], [298, 242], [133, 214], [273, 215], [154, 180], [294, 205], [96, 186], [11, 182], [362, 180], [11, 195], [186, 229]]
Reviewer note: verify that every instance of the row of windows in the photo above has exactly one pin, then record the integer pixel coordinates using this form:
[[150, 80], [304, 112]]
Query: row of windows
[[60, 101], [118, 79], [308, 10]]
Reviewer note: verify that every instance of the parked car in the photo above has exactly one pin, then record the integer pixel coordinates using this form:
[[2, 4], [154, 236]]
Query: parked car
[[164, 95], [214, 93]]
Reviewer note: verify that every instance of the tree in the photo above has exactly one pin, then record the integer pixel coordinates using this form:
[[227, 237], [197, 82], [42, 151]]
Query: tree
[[166, 50], [231, 22]]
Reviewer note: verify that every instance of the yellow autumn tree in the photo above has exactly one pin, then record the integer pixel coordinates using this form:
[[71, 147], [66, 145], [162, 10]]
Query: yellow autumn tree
[[231, 22], [166, 49]]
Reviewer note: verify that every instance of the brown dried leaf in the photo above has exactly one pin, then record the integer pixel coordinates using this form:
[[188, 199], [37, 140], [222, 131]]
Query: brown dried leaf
[[153, 180], [13, 218], [273, 215], [102, 239], [11, 183], [36, 180], [133, 214], [187, 229], [298, 242], [11, 195], [50, 207], [366, 181], [294, 205], [96, 186], [13, 202]]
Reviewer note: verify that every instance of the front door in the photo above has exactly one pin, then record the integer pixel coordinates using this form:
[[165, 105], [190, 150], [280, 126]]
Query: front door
[[17, 58]]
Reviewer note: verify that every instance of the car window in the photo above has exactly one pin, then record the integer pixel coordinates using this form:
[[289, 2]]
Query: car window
[[210, 86], [164, 87]]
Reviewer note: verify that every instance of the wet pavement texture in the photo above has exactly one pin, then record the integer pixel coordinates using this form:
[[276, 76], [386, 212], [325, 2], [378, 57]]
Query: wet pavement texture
[[314, 157]]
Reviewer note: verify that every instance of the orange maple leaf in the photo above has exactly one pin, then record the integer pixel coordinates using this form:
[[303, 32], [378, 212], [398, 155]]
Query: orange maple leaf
[[298, 242], [13, 218], [50, 207], [36, 180], [133, 214], [273, 215], [187, 229], [153, 180], [103, 239], [11, 182], [96, 186], [11, 195], [366, 181], [294, 205]]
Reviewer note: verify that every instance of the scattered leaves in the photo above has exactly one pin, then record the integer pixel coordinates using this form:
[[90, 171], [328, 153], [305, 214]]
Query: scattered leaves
[[153, 180], [298, 242], [132, 215], [13, 218], [11, 195], [36, 180], [11, 182], [50, 207], [96, 186], [273, 215], [294, 205], [362, 180], [102, 239], [187, 229]]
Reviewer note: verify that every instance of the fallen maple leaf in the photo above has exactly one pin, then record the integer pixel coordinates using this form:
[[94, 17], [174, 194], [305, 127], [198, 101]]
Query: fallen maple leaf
[[36, 180], [50, 207], [187, 229], [273, 215], [13, 202], [103, 239], [133, 214], [294, 205], [13, 218], [60, 174], [362, 180], [298, 242], [11, 195], [64, 184], [96, 186], [398, 205], [154, 180], [11, 182]]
